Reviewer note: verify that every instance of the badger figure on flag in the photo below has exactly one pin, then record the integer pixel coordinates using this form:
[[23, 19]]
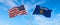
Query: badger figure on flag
[[17, 10]]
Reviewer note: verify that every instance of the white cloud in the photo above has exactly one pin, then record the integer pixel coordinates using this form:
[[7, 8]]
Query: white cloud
[[40, 2], [58, 15], [8, 2], [42, 21], [16, 1], [11, 3], [2, 1]]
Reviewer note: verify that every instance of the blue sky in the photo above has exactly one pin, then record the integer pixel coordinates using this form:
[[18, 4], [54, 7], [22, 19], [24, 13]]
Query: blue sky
[[29, 19]]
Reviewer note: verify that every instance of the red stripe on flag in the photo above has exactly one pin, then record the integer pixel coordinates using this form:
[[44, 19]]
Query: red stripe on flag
[[22, 12], [13, 12]]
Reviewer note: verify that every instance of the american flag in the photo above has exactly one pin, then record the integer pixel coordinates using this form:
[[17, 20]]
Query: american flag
[[17, 10]]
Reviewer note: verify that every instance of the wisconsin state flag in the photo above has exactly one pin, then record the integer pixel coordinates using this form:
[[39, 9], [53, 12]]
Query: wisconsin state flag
[[42, 10], [17, 10]]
